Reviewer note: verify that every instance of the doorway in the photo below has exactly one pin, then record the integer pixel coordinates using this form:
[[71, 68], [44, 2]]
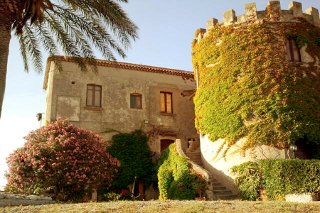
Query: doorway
[[165, 143]]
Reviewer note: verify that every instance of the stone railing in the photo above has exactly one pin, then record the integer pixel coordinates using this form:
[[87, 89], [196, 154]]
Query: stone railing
[[17, 200], [273, 13], [197, 169]]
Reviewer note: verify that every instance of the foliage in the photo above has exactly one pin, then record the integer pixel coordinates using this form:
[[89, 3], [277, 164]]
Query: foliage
[[75, 26], [249, 180], [176, 180], [134, 155], [248, 88], [278, 177], [69, 27], [62, 160]]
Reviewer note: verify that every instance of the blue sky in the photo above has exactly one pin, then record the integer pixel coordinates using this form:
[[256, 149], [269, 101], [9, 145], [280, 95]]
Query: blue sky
[[166, 31]]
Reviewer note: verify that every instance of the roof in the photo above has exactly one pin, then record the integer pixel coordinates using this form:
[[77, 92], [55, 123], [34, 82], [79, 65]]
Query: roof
[[122, 65]]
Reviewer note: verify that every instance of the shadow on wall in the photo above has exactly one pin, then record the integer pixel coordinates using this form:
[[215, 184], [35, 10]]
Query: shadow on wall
[[225, 180]]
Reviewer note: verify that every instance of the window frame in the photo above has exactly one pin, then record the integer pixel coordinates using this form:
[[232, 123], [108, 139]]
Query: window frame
[[293, 50], [166, 102], [135, 95], [93, 94]]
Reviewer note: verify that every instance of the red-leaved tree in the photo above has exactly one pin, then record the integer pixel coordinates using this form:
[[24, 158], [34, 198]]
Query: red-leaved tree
[[61, 160]]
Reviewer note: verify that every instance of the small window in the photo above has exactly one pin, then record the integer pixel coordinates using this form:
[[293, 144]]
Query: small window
[[135, 101], [166, 102], [94, 95], [293, 51]]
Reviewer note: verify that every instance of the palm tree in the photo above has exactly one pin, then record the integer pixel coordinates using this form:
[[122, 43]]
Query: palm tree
[[73, 27]]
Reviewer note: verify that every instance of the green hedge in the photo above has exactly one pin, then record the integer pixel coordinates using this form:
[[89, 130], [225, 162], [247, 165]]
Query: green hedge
[[277, 177], [134, 154], [175, 180]]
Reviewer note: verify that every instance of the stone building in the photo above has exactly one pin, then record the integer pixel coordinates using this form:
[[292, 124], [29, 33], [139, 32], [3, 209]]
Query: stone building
[[123, 97], [283, 46]]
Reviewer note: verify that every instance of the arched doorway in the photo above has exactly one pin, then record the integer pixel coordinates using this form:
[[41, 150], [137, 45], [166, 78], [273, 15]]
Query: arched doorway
[[307, 149], [164, 143]]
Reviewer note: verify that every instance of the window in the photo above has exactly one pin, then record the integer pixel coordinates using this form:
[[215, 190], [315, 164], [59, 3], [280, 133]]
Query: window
[[166, 102], [135, 101], [293, 51], [94, 95]]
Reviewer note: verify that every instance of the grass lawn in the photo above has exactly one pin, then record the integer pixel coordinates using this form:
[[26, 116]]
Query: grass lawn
[[171, 206]]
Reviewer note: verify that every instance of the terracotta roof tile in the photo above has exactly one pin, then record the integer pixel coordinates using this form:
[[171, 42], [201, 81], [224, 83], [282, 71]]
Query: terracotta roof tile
[[123, 65]]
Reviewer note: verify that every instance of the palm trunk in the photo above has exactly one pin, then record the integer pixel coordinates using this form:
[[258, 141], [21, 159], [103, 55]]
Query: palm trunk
[[4, 52]]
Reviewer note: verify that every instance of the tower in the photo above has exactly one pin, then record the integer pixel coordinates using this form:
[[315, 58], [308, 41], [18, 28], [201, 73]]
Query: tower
[[258, 77]]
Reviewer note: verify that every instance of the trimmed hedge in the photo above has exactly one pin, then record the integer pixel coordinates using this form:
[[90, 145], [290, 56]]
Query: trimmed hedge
[[175, 180], [277, 177], [249, 180]]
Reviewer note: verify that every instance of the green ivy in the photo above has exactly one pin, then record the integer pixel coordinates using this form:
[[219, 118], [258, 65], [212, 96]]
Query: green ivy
[[249, 180], [248, 88], [277, 177], [133, 152], [176, 180]]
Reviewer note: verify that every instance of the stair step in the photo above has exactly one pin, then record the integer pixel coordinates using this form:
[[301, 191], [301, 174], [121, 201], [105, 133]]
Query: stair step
[[222, 192], [227, 197], [220, 187], [216, 184]]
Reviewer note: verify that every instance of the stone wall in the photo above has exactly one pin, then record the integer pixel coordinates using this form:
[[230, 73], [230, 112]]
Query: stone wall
[[66, 98], [217, 157], [17, 200], [273, 12]]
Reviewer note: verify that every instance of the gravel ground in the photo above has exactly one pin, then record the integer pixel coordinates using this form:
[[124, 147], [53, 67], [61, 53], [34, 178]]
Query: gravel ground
[[172, 206]]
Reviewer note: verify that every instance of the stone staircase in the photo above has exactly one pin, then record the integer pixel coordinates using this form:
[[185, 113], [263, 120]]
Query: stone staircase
[[195, 157], [220, 192]]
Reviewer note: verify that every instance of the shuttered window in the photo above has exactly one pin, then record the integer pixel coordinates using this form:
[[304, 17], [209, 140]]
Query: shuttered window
[[166, 102], [94, 93]]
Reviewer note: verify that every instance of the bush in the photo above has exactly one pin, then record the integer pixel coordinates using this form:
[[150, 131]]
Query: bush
[[278, 177], [134, 155], [61, 160], [249, 180], [176, 181]]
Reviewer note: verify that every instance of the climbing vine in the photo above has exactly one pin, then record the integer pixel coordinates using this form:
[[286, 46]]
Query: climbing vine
[[248, 88]]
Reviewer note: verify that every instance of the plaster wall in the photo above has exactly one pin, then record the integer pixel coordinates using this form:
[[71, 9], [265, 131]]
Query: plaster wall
[[66, 98], [219, 159]]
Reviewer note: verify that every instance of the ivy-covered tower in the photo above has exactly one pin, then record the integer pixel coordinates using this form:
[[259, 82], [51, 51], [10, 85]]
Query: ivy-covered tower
[[258, 78]]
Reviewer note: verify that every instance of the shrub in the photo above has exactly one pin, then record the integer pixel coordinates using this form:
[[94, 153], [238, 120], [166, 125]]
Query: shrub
[[278, 177], [176, 181], [249, 180], [134, 155], [283, 177], [61, 160]]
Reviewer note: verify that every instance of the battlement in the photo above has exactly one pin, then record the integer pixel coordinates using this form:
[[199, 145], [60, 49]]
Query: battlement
[[272, 13]]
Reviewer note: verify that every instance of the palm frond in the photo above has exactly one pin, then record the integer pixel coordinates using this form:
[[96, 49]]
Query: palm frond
[[74, 26]]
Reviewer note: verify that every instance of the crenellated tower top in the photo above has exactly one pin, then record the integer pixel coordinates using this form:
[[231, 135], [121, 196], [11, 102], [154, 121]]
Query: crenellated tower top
[[273, 13]]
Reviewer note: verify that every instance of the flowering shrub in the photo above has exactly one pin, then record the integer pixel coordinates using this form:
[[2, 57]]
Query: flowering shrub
[[61, 160]]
